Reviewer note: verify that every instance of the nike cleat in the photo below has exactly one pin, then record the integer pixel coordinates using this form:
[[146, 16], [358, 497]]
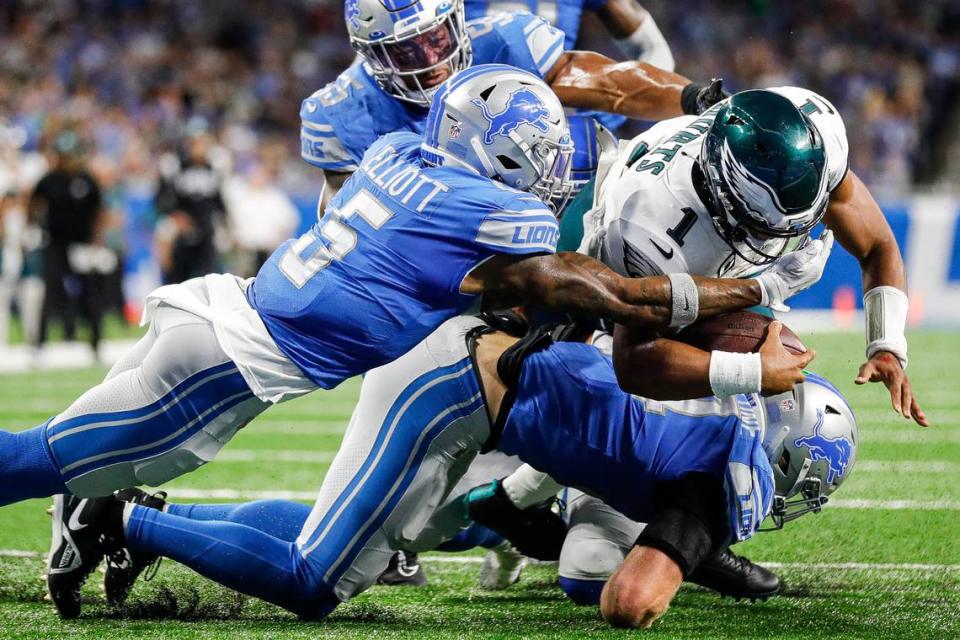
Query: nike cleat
[[536, 532], [731, 575], [125, 566], [404, 569], [78, 544], [501, 567]]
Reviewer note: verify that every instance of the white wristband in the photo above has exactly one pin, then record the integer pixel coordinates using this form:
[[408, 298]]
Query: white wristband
[[686, 300], [732, 373], [647, 44], [885, 309]]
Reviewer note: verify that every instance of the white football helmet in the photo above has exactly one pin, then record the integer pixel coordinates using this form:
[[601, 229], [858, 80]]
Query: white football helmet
[[506, 124], [811, 441], [410, 46]]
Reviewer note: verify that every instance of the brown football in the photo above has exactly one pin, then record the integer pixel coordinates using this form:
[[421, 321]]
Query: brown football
[[740, 332]]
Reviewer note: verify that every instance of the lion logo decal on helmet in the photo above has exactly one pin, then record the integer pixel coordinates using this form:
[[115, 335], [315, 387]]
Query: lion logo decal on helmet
[[836, 451], [523, 107], [351, 11]]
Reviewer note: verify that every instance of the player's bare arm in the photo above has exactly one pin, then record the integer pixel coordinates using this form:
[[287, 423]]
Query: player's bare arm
[[622, 17], [636, 32], [576, 283], [589, 80], [862, 229], [664, 369]]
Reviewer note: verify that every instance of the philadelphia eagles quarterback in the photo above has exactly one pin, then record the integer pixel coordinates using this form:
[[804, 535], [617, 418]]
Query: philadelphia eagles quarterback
[[724, 194]]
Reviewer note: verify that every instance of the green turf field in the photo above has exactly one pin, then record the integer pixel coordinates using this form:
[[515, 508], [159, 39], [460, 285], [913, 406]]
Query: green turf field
[[883, 563]]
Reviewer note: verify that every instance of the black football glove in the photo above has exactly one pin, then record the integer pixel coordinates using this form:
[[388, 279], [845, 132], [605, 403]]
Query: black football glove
[[697, 98]]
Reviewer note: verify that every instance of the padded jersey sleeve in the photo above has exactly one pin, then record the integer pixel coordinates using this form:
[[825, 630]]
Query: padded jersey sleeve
[[830, 125], [523, 226], [518, 39], [320, 135]]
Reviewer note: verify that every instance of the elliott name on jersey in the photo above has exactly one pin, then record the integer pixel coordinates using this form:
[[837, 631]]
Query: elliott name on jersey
[[648, 218]]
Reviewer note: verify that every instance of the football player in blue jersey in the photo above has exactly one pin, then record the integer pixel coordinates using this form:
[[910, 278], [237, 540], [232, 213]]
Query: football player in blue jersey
[[408, 48], [702, 473], [427, 226], [635, 31]]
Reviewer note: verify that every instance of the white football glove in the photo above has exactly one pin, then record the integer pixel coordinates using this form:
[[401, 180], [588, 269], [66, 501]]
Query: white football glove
[[795, 272]]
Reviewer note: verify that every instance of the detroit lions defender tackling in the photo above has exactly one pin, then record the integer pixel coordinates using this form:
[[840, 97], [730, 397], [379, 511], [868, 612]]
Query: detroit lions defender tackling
[[703, 473], [407, 49], [414, 239]]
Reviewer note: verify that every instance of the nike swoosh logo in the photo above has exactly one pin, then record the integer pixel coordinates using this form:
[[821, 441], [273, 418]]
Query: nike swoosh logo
[[663, 252], [74, 523], [311, 107]]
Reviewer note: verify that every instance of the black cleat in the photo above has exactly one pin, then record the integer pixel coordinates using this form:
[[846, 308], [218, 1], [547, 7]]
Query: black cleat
[[404, 569], [125, 566], [78, 544], [731, 575], [536, 532]]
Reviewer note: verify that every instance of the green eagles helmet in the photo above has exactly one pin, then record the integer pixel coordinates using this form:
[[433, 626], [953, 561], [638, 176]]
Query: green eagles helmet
[[764, 165]]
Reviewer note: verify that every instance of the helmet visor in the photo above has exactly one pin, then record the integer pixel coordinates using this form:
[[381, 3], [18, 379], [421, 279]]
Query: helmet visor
[[415, 65]]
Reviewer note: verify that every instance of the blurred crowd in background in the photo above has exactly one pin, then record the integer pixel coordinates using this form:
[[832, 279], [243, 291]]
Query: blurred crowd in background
[[173, 124]]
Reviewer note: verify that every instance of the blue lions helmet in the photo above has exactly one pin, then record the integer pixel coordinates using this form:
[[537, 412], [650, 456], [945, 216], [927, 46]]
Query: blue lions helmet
[[505, 124], [410, 46], [590, 139], [811, 441]]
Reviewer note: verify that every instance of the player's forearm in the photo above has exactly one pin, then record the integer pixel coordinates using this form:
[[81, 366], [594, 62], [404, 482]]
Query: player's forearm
[[883, 267], [575, 283], [660, 368], [634, 89]]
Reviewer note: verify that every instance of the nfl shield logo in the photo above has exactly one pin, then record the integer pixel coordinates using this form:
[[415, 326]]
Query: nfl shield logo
[[455, 131]]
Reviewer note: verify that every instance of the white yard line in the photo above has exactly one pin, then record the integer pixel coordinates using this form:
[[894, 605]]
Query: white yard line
[[60, 355], [235, 494], [842, 566], [931, 435], [323, 457], [908, 466], [898, 505], [846, 566]]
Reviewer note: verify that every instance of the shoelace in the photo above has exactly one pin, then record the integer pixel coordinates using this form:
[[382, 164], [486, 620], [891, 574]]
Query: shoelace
[[151, 571]]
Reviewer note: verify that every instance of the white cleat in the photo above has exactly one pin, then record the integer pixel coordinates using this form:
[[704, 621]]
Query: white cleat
[[501, 567]]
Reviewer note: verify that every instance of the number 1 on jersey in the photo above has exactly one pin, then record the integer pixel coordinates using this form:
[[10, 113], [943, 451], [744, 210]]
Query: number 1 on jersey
[[683, 227], [341, 237]]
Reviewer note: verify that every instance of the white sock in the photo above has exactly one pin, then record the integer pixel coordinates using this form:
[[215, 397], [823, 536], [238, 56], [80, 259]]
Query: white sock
[[526, 487]]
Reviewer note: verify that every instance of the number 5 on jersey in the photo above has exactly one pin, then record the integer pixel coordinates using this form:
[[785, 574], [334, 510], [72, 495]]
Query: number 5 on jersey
[[341, 238]]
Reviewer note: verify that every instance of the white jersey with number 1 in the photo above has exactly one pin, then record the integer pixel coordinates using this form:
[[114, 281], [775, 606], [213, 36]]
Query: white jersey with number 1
[[648, 218]]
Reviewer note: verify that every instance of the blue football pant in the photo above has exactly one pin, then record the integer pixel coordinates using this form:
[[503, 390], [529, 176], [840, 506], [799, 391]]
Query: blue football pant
[[418, 425]]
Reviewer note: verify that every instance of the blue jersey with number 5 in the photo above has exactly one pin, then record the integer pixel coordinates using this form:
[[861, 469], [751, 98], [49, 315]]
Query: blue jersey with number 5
[[382, 268]]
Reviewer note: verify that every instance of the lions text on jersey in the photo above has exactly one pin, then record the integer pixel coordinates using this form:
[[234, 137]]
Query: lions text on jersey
[[340, 121], [617, 446], [563, 14], [649, 219], [383, 267]]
